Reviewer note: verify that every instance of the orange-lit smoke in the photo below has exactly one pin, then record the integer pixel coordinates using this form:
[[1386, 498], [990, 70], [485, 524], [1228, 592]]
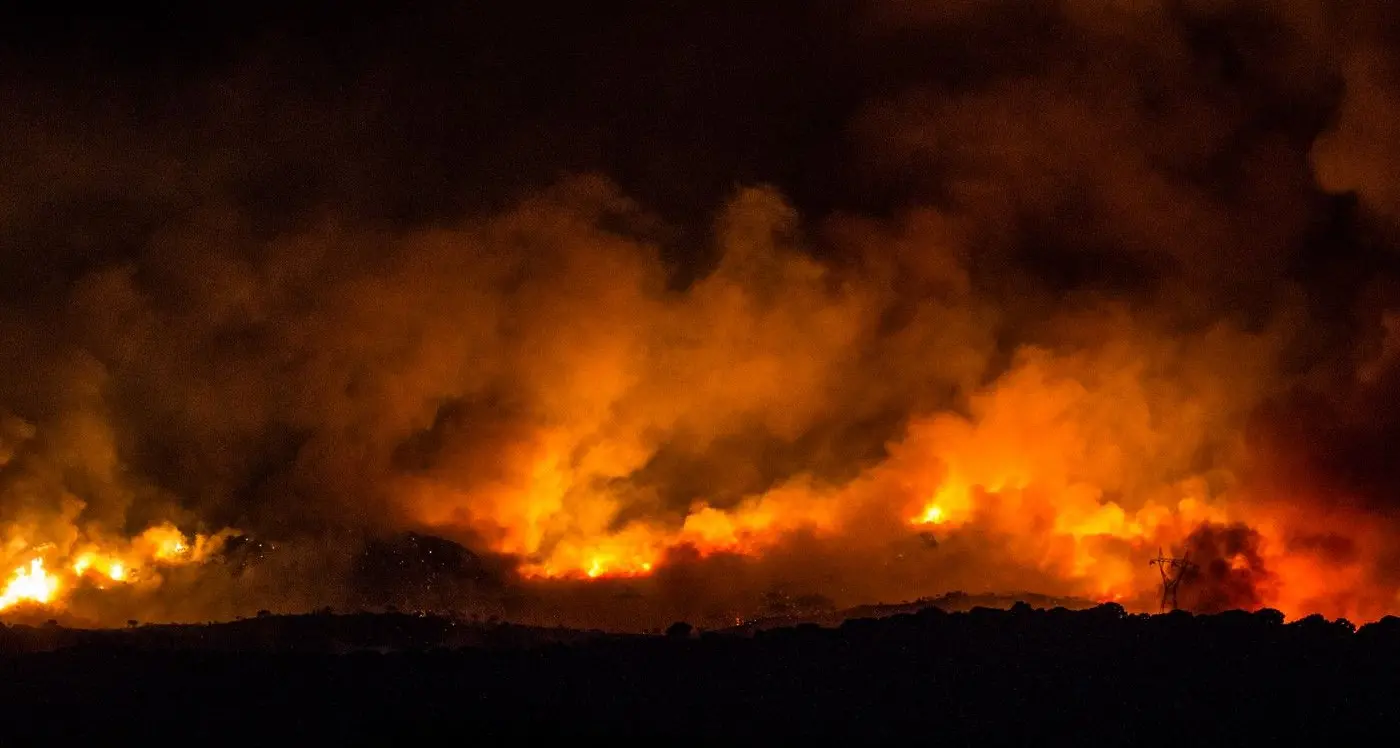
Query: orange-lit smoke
[[593, 424], [1124, 287], [1070, 468]]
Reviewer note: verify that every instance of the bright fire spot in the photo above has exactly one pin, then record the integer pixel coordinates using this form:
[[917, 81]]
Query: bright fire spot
[[955, 500], [101, 564], [638, 549], [108, 567], [171, 549], [933, 515], [598, 564], [605, 567], [166, 543], [33, 585]]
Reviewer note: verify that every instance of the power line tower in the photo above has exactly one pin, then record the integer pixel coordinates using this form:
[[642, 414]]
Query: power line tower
[[1173, 571]]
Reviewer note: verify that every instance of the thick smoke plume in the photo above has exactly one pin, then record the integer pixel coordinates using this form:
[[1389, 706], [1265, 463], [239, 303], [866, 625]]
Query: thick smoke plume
[[847, 305]]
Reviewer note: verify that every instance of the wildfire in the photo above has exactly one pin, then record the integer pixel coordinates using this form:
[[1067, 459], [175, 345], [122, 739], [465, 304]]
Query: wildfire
[[31, 583], [1066, 466], [600, 567], [105, 566], [630, 554], [100, 566], [638, 549], [933, 515], [165, 543]]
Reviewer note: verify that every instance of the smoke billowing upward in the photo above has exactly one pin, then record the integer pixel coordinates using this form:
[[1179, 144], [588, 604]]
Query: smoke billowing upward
[[652, 312], [1229, 571]]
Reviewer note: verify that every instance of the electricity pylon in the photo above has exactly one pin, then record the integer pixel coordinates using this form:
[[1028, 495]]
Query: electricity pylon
[[1173, 571]]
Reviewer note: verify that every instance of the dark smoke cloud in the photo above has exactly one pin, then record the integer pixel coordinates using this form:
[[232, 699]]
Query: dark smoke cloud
[[332, 279], [1229, 573]]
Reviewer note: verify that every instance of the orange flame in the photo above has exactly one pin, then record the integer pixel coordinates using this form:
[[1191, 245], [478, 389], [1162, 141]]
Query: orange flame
[[103, 564], [29, 584], [1069, 471]]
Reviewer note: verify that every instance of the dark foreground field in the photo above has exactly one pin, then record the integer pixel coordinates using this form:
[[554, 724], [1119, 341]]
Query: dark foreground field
[[981, 677]]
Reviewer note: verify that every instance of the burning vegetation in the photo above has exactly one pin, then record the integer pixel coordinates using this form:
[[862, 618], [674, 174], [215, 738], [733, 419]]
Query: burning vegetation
[[1067, 299], [53, 573]]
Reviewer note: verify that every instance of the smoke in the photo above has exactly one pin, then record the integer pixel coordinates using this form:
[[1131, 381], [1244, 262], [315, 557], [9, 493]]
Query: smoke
[[1053, 285], [1229, 572]]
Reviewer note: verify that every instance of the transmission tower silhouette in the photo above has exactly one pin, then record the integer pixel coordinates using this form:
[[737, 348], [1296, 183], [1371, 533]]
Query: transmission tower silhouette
[[1173, 571]]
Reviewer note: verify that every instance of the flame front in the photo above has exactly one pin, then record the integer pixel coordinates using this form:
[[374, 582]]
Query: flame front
[[37, 582], [1067, 475], [30, 583]]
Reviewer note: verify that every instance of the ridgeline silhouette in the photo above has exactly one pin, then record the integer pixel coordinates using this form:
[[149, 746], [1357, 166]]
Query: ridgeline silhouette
[[984, 675]]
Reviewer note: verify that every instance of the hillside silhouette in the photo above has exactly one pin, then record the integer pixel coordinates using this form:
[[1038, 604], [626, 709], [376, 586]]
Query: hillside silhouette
[[984, 675]]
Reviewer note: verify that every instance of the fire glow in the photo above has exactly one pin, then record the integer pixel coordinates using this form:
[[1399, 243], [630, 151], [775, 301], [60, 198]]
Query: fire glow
[[1033, 467], [30, 583], [38, 582], [1064, 321]]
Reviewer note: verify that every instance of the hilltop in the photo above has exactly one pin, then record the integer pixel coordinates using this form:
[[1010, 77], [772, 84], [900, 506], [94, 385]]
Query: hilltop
[[983, 675]]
